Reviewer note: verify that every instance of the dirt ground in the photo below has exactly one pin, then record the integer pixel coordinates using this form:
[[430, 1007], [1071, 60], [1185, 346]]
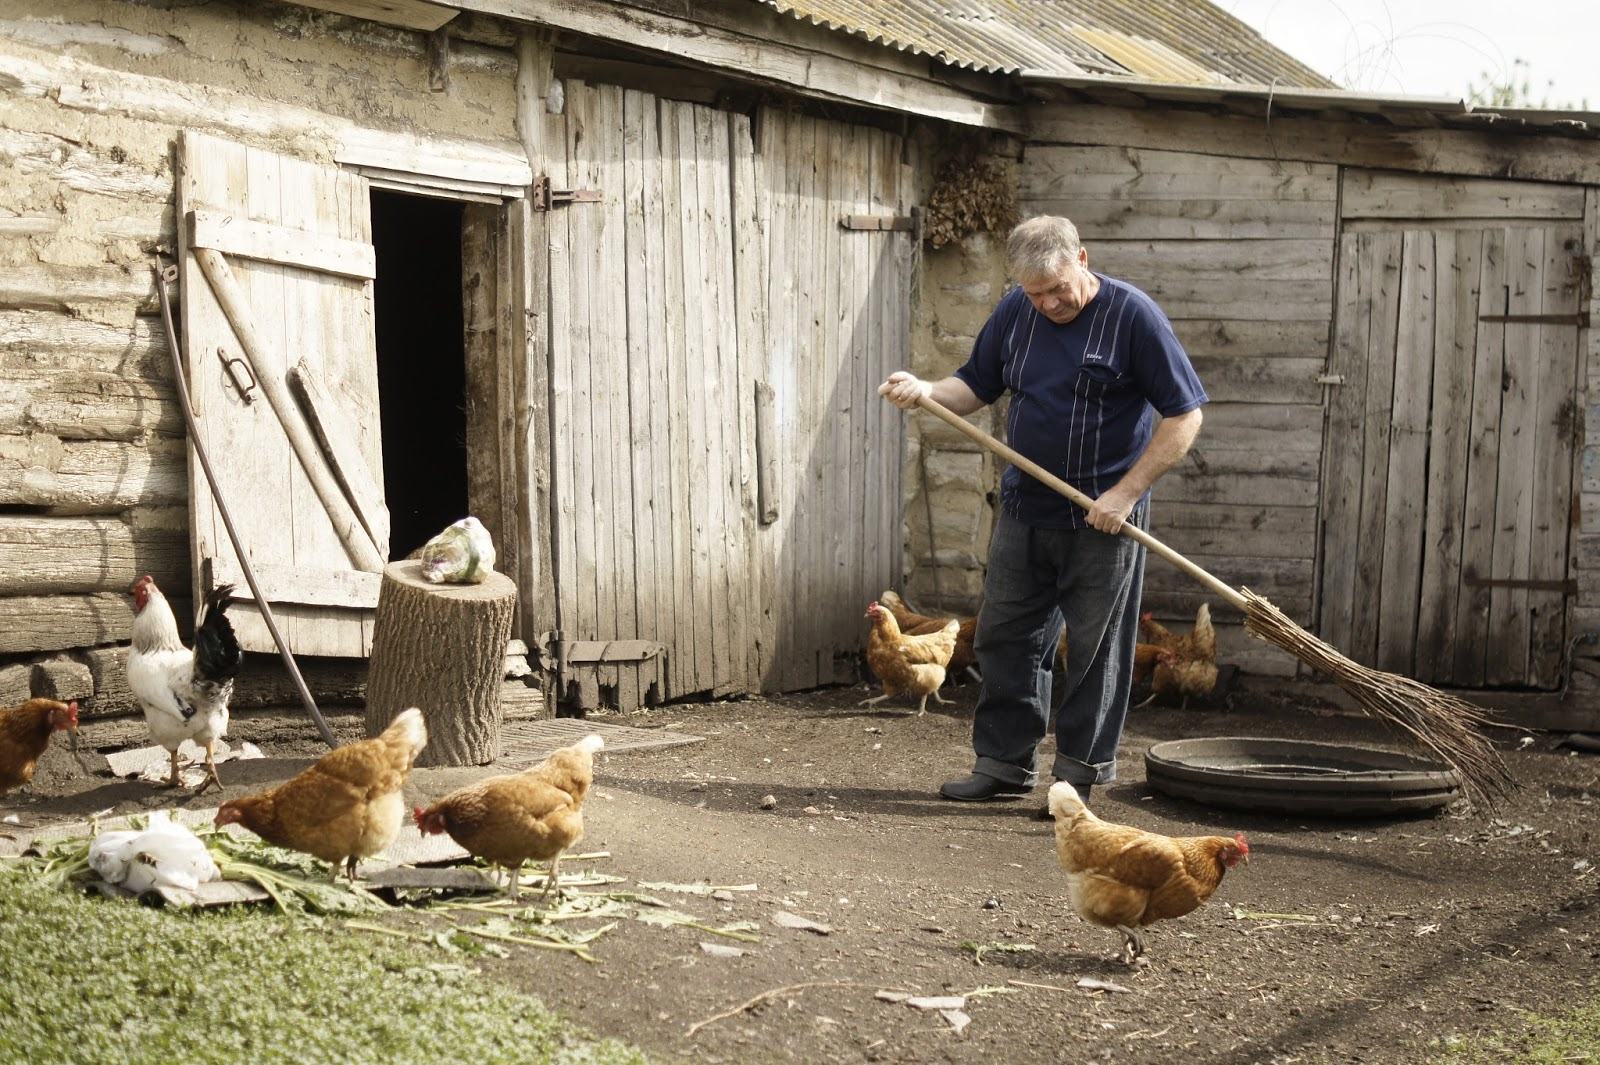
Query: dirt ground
[[1418, 928]]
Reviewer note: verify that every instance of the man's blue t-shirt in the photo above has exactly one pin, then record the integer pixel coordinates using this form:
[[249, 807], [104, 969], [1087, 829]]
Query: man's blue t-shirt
[[1083, 395]]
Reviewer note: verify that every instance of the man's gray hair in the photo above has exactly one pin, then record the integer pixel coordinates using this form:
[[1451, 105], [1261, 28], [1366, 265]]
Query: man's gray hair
[[1040, 247]]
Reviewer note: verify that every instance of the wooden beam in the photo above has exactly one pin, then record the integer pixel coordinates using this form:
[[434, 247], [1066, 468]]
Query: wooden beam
[[53, 556], [356, 541], [56, 622], [1435, 151], [343, 453], [353, 589], [281, 244], [530, 348], [411, 14], [812, 73]]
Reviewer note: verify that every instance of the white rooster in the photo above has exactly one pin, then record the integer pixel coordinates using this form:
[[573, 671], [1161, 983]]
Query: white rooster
[[184, 693]]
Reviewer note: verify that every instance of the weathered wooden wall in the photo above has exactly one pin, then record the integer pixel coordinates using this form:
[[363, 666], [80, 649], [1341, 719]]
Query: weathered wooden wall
[[93, 485], [1239, 253]]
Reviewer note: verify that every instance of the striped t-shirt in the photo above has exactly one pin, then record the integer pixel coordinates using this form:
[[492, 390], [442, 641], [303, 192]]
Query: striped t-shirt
[[1084, 395]]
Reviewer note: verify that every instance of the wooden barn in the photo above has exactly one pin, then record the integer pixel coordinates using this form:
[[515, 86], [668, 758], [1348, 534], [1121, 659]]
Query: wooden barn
[[620, 279]]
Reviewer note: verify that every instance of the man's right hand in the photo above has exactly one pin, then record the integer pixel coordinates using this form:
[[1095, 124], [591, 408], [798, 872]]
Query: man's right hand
[[904, 389]]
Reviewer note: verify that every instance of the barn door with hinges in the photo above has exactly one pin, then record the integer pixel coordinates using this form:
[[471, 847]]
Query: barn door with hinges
[[277, 277], [1451, 444], [652, 414]]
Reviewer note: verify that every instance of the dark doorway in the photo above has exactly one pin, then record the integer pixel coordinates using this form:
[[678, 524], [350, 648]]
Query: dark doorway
[[422, 369]]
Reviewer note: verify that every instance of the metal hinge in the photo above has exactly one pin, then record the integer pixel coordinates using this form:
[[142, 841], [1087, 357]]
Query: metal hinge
[[546, 198], [1579, 319], [1565, 587], [879, 223], [1330, 378]]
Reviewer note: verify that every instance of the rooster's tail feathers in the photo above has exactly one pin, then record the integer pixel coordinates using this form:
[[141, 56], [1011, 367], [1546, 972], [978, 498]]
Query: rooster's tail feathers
[[409, 729], [217, 656], [1065, 800]]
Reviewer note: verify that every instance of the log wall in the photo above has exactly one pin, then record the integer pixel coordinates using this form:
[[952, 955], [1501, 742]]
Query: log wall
[[92, 457]]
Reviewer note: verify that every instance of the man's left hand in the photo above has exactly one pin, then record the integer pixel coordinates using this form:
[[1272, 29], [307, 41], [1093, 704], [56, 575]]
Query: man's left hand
[[1110, 510]]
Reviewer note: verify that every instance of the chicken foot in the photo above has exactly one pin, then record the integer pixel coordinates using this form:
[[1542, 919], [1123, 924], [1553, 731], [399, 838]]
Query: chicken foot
[[1133, 949], [211, 770], [173, 780]]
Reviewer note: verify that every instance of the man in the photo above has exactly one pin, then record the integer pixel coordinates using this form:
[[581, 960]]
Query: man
[[1089, 362]]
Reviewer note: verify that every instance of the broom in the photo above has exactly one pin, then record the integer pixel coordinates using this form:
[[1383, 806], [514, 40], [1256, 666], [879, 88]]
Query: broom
[[1440, 722]]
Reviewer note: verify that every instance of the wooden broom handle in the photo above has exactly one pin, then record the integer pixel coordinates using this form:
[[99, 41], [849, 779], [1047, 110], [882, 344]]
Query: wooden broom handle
[[1044, 476]]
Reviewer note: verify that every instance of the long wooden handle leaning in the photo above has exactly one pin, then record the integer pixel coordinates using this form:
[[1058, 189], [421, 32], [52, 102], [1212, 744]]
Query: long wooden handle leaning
[[1044, 476]]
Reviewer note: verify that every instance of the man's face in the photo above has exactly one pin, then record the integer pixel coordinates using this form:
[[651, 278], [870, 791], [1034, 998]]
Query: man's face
[[1061, 296]]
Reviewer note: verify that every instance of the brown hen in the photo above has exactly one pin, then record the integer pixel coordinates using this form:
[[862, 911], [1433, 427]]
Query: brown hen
[[534, 815], [25, 732], [1126, 878], [347, 806]]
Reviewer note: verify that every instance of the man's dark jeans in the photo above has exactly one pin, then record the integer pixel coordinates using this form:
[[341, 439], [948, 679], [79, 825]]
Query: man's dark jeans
[[1095, 580]]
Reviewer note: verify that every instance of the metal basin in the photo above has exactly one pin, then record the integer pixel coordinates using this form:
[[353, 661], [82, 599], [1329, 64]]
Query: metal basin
[[1299, 776]]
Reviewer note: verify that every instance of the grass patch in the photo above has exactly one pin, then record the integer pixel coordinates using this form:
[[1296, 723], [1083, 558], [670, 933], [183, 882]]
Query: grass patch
[[89, 980], [1572, 1038]]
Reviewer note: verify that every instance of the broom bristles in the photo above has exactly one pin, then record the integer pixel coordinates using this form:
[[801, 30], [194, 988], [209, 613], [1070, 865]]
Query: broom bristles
[[1440, 722]]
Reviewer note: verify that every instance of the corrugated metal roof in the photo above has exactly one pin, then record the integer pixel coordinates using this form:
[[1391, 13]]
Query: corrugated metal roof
[[1181, 41]]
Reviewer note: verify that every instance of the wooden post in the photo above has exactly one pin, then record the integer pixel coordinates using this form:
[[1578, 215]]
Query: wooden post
[[441, 647]]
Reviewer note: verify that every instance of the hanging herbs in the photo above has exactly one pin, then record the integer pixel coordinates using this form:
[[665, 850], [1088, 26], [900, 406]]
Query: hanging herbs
[[970, 195]]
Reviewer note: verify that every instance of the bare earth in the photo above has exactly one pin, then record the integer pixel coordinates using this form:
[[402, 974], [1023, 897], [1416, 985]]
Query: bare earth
[[1342, 940]]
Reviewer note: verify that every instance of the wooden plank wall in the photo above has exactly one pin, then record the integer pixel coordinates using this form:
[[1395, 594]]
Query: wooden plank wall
[[839, 307], [653, 462], [1239, 253]]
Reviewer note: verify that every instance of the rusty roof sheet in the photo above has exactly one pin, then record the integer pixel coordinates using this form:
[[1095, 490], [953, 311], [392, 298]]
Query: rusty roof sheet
[[1190, 42]]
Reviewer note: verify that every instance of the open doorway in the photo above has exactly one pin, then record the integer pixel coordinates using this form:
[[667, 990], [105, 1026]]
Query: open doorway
[[422, 370]]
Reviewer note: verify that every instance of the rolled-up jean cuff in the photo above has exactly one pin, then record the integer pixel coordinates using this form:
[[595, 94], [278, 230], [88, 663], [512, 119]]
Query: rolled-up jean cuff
[[1006, 773], [1079, 773]]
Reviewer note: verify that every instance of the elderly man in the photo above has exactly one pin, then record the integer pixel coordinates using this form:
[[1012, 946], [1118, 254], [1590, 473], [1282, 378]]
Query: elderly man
[[1090, 361]]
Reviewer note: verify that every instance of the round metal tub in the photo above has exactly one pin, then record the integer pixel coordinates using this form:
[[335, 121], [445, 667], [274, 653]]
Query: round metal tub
[[1299, 776]]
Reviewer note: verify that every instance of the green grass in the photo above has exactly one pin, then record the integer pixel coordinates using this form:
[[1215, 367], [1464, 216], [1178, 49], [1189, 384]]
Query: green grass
[[1572, 1038], [91, 980]]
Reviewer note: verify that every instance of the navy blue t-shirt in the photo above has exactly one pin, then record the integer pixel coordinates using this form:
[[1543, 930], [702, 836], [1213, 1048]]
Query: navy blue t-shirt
[[1084, 395]]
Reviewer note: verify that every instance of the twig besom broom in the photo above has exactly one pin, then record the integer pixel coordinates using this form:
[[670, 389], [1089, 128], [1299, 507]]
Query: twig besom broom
[[1440, 722]]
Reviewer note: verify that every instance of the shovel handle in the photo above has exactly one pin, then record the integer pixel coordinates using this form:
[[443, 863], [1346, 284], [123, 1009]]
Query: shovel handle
[[1039, 473]]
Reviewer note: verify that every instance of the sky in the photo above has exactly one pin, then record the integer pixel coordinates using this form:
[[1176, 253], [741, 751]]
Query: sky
[[1438, 47]]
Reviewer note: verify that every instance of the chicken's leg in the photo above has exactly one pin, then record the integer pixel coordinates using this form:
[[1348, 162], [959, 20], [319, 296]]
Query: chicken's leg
[[922, 705], [1133, 949], [552, 879], [513, 887], [211, 770], [174, 781], [874, 701], [940, 699], [350, 867]]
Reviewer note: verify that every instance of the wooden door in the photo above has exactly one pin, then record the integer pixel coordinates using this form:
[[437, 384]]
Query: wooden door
[[652, 389], [1450, 450], [295, 239], [838, 301]]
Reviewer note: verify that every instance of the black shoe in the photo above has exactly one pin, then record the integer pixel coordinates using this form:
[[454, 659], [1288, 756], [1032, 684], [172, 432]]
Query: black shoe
[[1044, 814], [980, 787]]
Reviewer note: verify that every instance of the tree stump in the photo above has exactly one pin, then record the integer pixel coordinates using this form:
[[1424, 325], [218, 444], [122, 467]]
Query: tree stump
[[441, 647]]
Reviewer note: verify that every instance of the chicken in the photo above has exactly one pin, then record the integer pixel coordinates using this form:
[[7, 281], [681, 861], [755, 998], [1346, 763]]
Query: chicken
[[908, 665], [347, 806], [913, 624], [1126, 878], [1185, 664], [25, 732], [520, 817], [184, 693]]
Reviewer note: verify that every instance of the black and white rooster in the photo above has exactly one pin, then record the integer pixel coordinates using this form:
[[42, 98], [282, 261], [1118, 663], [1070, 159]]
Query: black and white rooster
[[184, 693]]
